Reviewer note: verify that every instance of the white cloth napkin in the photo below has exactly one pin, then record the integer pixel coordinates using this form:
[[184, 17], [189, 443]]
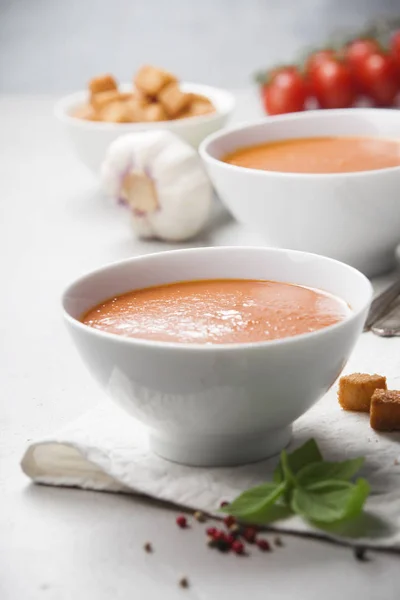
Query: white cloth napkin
[[106, 449]]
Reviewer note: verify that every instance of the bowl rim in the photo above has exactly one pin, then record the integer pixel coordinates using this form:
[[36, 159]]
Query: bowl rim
[[230, 347], [70, 101], [306, 115]]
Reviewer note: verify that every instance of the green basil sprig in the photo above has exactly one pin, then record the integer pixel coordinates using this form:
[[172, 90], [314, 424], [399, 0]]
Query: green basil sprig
[[305, 484]]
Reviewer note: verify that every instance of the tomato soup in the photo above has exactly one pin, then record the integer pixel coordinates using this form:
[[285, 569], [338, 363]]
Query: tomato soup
[[219, 311], [319, 155]]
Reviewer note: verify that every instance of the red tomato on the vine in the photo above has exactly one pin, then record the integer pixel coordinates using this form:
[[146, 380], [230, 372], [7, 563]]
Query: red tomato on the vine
[[355, 54], [317, 58], [358, 50], [333, 84], [380, 78], [285, 93]]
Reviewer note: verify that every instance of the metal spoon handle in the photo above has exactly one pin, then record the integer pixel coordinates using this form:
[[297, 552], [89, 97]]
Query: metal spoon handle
[[389, 324], [382, 303]]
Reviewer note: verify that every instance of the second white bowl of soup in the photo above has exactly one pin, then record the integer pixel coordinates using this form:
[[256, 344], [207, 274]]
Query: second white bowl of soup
[[321, 181]]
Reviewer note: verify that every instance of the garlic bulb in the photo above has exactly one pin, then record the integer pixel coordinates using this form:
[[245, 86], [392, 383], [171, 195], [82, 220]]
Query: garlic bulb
[[162, 180]]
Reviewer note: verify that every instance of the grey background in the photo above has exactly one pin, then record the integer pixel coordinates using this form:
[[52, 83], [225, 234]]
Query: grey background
[[56, 45]]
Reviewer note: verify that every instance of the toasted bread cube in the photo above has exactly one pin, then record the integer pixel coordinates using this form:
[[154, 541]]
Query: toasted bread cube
[[99, 101], [355, 390], [173, 99], [86, 112], [385, 410], [134, 108], [199, 98], [151, 80], [154, 112], [198, 105], [103, 83], [199, 108], [116, 112], [141, 97]]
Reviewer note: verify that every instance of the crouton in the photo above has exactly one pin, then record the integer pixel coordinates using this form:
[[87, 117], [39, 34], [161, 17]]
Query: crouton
[[173, 99], [200, 107], [103, 83], [102, 99], [385, 410], [151, 80], [134, 108], [355, 390], [154, 112], [116, 112]]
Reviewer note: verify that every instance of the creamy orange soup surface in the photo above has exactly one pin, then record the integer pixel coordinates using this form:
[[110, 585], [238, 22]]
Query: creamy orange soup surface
[[319, 155], [219, 311]]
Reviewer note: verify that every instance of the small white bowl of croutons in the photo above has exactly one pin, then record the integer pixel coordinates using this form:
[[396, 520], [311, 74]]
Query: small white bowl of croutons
[[97, 116]]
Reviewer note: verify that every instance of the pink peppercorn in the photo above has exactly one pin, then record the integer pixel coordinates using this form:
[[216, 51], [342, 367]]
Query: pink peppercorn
[[181, 521], [264, 545], [223, 503], [219, 535], [229, 520], [237, 547], [211, 531], [249, 534]]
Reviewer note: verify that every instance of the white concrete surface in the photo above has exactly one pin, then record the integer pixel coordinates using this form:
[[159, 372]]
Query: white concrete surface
[[59, 544]]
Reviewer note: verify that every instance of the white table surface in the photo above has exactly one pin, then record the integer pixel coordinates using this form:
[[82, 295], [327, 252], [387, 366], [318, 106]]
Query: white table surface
[[59, 544]]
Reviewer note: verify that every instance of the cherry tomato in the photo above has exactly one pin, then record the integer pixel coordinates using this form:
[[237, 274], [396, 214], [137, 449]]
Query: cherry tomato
[[285, 93], [357, 51], [395, 48], [380, 78], [333, 84], [317, 58], [355, 54]]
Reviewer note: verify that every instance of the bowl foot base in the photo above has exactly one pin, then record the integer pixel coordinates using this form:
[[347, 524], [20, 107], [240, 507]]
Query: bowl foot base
[[218, 450]]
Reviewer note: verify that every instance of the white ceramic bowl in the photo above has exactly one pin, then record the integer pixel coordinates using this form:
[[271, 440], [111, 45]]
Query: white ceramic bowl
[[353, 217], [91, 139], [215, 405]]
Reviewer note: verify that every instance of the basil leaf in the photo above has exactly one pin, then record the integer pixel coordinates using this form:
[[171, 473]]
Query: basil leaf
[[330, 501], [299, 458], [273, 512], [322, 470], [257, 504]]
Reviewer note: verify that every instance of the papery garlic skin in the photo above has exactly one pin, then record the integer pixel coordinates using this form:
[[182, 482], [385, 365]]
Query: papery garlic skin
[[162, 180]]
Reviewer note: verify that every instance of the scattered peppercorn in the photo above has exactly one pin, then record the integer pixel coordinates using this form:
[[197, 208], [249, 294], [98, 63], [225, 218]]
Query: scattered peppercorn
[[148, 547], [181, 521], [184, 582], [219, 535], [199, 516], [229, 520], [278, 541], [230, 539], [211, 531], [223, 503], [264, 545], [249, 534], [220, 540], [360, 553], [238, 547]]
